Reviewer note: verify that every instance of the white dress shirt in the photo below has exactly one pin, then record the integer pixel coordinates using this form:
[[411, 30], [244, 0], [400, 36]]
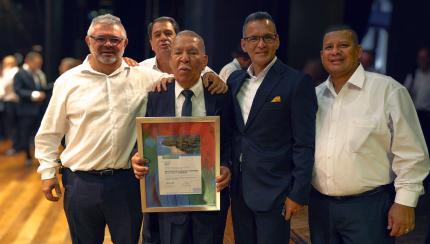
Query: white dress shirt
[[420, 89], [364, 134], [249, 88], [229, 68], [7, 83], [152, 64], [198, 100], [96, 112]]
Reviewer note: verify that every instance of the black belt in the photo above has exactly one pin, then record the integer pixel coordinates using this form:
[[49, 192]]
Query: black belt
[[364, 194], [102, 172]]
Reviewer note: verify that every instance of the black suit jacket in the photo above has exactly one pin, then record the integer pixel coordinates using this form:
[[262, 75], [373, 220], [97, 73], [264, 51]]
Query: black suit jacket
[[24, 85], [277, 143]]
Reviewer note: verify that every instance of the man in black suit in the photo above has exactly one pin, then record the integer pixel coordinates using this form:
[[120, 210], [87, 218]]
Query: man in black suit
[[187, 61], [275, 108], [29, 86]]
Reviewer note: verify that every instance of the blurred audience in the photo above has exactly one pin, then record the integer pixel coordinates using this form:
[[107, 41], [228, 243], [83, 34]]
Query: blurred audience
[[2, 124], [68, 63], [367, 60], [10, 99], [314, 69], [418, 84], [30, 86]]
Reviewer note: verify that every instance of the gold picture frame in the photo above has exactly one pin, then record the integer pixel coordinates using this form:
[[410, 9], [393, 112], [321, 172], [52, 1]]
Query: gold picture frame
[[184, 160]]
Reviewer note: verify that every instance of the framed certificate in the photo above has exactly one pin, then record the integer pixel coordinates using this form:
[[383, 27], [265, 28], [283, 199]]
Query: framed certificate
[[184, 159]]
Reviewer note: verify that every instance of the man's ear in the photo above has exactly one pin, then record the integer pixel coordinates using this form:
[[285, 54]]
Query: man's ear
[[360, 52], [205, 61], [87, 40], [242, 45], [125, 42], [152, 45]]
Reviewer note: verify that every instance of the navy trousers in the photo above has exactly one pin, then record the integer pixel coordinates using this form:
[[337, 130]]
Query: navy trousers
[[252, 227], [361, 220], [151, 224], [93, 201]]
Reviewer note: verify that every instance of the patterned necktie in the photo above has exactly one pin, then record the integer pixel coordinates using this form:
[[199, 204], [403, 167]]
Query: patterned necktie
[[187, 107]]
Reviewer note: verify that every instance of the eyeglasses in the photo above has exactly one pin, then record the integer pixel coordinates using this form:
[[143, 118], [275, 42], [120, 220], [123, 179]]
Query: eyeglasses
[[268, 38], [101, 40]]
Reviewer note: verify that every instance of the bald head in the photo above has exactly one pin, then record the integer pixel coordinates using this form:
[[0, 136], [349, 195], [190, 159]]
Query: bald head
[[195, 36]]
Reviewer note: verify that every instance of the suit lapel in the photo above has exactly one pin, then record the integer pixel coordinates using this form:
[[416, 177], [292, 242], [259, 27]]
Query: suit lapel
[[237, 111], [29, 79], [168, 101], [210, 102], [172, 100], [272, 78]]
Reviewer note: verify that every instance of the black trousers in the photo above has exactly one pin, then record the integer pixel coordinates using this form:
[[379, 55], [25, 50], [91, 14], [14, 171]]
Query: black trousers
[[361, 220], [27, 126], [11, 123], [151, 227], [253, 227], [93, 201]]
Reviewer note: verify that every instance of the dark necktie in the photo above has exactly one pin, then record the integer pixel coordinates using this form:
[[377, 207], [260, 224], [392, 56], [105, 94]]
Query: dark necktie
[[37, 81], [187, 107]]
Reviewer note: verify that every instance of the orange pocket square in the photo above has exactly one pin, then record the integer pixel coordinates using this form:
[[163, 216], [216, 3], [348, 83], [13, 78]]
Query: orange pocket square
[[276, 99]]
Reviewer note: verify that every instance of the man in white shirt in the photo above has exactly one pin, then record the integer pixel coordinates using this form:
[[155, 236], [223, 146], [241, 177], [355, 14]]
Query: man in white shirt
[[10, 68], [30, 87], [95, 105], [162, 31], [240, 61], [368, 135]]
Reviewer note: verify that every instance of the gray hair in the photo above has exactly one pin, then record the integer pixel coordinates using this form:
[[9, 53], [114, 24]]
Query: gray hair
[[107, 19], [193, 34]]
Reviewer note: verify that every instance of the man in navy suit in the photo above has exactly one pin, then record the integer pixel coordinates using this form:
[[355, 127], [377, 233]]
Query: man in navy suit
[[275, 108], [29, 86], [187, 97]]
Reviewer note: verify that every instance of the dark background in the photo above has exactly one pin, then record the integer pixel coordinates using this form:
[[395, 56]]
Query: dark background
[[60, 26]]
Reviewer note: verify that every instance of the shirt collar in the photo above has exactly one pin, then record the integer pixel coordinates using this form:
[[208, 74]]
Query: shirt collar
[[356, 79], [197, 88], [263, 73], [26, 68], [86, 67], [155, 66], [236, 62]]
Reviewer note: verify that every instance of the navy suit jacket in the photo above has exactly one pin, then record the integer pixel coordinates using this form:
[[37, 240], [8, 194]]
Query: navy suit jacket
[[278, 141], [24, 85], [162, 104]]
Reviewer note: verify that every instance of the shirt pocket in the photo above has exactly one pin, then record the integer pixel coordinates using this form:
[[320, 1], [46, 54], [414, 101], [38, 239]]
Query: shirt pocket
[[358, 135]]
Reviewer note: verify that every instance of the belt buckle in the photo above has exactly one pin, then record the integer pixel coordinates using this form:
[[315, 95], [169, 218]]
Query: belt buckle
[[105, 172]]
